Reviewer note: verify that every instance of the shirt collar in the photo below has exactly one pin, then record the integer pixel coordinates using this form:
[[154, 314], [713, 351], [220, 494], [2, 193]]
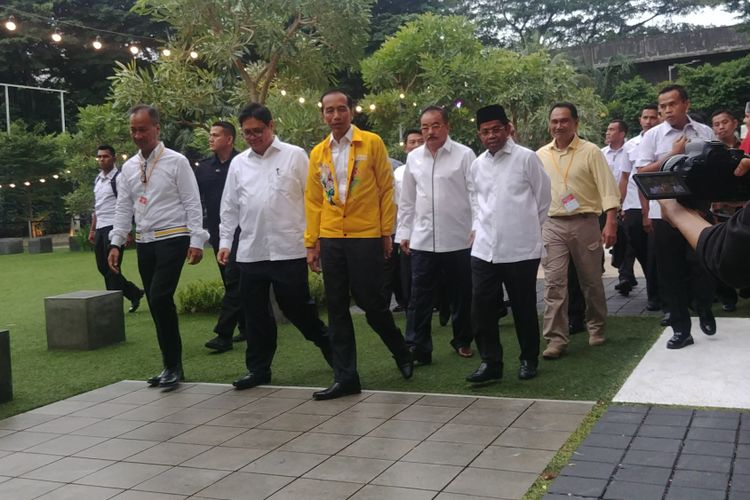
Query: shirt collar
[[690, 125], [347, 139], [448, 146], [218, 162], [573, 144], [274, 145], [108, 175], [157, 150], [505, 150]]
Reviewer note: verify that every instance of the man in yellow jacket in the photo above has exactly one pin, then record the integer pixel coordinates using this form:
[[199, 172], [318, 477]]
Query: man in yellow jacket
[[350, 211]]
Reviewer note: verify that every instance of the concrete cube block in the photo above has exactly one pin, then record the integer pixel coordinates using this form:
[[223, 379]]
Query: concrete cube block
[[11, 245], [85, 320], [42, 244], [6, 384]]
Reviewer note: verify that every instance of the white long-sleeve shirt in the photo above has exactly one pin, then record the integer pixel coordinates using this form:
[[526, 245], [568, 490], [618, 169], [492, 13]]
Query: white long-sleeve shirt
[[265, 197], [513, 194], [166, 206], [105, 199], [657, 143], [617, 159], [435, 209], [632, 200]]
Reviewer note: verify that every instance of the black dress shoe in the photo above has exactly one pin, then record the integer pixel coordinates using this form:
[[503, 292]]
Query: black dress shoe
[[136, 302], [624, 287], [653, 305], [240, 337], [420, 358], [485, 373], [526, 370], [680, 340], [406, 366], [337, 390], [707, 321], [219, 344], [170, 378], [666, 320], [154, 381], [576, 327], [252, 379]]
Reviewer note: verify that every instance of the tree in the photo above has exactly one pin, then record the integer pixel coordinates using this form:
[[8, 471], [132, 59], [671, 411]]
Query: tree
[[711, 87], [437, 60], [557, 23], [628, 100]]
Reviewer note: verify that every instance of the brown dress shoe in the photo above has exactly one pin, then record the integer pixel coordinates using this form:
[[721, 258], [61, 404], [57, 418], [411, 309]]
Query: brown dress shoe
[[553, 352], [595, 340]]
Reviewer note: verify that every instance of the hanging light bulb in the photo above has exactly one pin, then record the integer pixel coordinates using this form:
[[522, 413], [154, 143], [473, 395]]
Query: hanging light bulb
[[301, 100], [358, 109], [372, 107], [134, 50], [124, 157], [401, 96], [97, 44], [10, 24], [166, 52], [193, 54], [283, 92], [57, 36], [42, 180], [27, 184], [13, 186], [55, 176], [320, 104]]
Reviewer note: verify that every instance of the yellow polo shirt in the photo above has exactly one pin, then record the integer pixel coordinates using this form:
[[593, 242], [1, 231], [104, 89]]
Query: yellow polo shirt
[[581, 170]]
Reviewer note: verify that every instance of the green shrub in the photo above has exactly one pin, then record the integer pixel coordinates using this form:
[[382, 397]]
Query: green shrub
[[82, 240]]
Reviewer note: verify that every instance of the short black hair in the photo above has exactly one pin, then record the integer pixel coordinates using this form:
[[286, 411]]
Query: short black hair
[[723, 111], [257, 111], [228, 128], [652, 107], [567, 105], [409, 132], [337, 90], [440, 109], [698, 116], [621, 124], [674, 87], [153, 113], [106, 147]]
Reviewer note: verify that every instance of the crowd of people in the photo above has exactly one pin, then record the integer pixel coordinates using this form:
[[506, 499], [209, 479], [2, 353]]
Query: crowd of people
[[447, 230]]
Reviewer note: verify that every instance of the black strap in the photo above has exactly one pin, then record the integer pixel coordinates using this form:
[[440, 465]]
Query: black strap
[[113, 181]]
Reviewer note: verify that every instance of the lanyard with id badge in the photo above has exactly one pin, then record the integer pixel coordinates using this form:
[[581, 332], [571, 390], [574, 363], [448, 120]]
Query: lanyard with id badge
[[568, 199], [142, 203]]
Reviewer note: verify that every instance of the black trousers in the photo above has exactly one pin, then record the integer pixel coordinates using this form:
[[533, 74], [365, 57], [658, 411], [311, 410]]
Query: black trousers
[[231, 313], [392, 277], [160, 264], [292, 291], [682, 278], [642, 245], [113, 281], [426, 269], [520, 282], [404, 263], [355, 266]]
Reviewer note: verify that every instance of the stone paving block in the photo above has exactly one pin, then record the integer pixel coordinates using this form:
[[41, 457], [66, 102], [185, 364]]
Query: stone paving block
[[716, 422], [743, 437], [659, 410], [743, 450], [662, 431], [607, 441], [650, 458], [718, 449], [662, 419], [730, 414], [478, 482], [640, 474], [622, 417], [594, 470], [737, 495], [741, 482], [594, 454], [578, 486], [616, 428], [705, 463], [513, 459], [554, 496], [655, 444], [623, 490], [681, 493], [714, 435], [742, 466], [700, 479]]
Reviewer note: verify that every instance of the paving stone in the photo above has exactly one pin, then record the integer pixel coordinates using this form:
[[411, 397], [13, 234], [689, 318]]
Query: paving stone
[[473, 481], [554, 496], [594, 454], [741, 482], [711, 448], [743, 450], [743, 437], [715, 422], [726, 414], [742, 466], [681, 493], [616, 428], [594, 470], [640, 474], [655, 444], [662, 431], [650, 458], [513, 459], [623, 490], [622, 417], [607, 441], [720, 435], [737, 495], [704, 463], [578, 486], [657, 410], [700, 479], [661, 419]]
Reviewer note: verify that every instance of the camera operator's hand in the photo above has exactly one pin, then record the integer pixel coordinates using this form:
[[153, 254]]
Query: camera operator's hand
[[743, 168], [678, 148]]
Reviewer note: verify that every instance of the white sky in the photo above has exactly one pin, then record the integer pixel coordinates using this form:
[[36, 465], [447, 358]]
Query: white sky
[[709, 17]]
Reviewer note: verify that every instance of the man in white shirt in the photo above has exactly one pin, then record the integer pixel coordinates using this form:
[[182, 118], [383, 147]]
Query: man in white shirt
[[264, 197], [680, 275], [434, 227], [158, 186], [105, 199], [512, 194], [640, 242]]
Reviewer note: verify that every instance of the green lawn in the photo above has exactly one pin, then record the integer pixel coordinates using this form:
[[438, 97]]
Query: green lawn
[[41, 376]]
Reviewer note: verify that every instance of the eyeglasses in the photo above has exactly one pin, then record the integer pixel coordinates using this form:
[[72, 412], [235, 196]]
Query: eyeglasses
[[486, 132], [253, 132]]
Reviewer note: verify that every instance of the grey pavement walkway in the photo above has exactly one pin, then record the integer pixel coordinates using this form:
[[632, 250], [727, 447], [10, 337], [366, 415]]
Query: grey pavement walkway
[[129, 442], [617, 305]]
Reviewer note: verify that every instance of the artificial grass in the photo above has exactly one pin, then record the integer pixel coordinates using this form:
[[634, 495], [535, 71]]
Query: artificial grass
[[41, 376]]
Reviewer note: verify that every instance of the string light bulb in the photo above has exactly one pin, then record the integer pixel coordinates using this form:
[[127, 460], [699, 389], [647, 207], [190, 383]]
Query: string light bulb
[[283, 92], [301, 100], [134, 50], [57, 36], [42, 180], [97, 43], [401, 96], [166, 52], [372, 107], [193, 54], [358, 109], [320, 104], [12, 186], [10, 24], [55, 176], [124, 157], [27, 184]]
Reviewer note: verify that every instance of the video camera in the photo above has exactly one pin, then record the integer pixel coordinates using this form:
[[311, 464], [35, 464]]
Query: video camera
[[705, 173]]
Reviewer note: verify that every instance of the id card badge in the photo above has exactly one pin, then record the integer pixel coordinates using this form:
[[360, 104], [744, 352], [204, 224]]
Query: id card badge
[[140, 205], [569, 202]]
